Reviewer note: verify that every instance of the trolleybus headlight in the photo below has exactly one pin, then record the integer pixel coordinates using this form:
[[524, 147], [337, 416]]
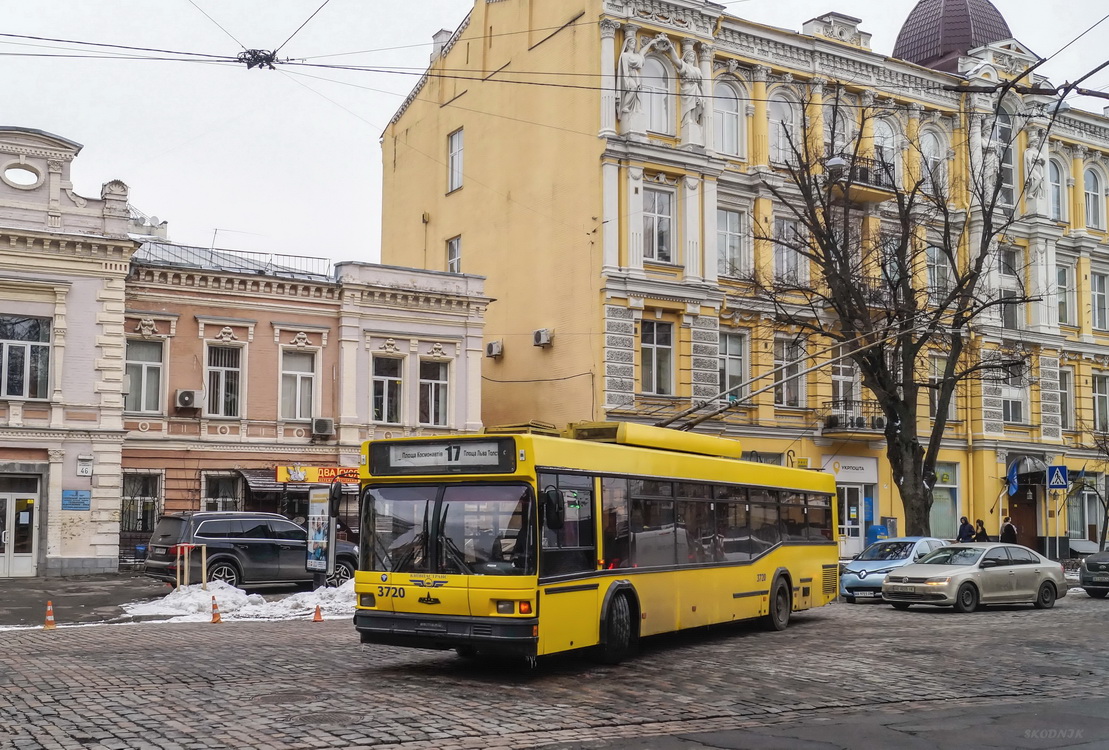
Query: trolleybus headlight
[[367, 600], [506, 608]]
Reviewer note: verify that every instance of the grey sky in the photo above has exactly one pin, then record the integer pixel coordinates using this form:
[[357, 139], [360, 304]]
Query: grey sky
[[281, 162]]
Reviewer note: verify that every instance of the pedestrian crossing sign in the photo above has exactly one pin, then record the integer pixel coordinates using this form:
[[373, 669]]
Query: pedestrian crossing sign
[[1057, 478]]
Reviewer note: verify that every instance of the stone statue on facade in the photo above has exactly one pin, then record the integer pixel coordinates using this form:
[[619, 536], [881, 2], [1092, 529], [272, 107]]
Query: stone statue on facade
[[692, 86], [629, 81], [1034, 164]]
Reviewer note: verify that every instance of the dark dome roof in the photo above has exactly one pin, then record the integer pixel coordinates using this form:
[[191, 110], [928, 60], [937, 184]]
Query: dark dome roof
[[938, 32]]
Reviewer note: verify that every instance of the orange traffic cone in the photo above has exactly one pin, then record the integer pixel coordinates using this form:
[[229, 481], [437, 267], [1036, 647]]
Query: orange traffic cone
[[49, 624], [318, 617], [215, 611]]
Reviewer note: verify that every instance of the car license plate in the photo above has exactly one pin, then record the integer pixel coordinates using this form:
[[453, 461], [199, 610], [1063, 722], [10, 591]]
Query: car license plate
[[1100, 578], [864, 593], [163, 550], [905, 589]]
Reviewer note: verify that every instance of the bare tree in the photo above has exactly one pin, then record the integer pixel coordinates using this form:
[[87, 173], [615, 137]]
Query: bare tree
[[900, 260]]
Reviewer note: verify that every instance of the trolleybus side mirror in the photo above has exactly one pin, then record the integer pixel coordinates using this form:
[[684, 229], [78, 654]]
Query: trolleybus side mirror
[[335, 498], [554, 508]]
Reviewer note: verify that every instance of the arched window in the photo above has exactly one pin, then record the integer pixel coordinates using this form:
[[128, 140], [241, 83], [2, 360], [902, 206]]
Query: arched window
[[1057, 188], [837, 129], [1006, 174], [728, 120], [784, 143], [657, 96], [932, 156], [1095, 201], [885, 148]]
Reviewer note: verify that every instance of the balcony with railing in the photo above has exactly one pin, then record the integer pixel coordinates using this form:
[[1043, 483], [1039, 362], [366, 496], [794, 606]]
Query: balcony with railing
[[863, 418], [860, 179]]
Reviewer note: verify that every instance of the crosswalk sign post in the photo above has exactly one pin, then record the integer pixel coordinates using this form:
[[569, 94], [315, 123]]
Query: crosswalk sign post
[[1057, 478]]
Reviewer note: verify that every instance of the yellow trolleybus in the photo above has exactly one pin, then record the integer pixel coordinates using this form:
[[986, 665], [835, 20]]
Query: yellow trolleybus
[[533, 544]]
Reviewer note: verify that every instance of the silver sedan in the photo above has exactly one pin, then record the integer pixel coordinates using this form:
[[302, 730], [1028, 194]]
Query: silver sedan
[[964, 576]]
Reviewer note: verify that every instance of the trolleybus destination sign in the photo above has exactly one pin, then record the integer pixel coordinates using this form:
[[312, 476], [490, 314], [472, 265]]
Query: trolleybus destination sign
[[442, 457]]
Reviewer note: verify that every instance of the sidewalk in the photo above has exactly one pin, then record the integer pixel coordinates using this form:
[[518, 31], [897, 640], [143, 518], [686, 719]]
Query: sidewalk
[[79, 599]]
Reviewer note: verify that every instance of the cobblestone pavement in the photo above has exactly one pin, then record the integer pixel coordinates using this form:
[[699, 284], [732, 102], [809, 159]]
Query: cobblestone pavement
[[300, 684]]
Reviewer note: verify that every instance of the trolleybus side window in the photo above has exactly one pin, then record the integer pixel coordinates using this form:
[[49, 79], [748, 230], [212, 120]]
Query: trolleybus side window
[[818, 518], [572, 547], [793, 516], [654, 541], [697, 525], [763, 519], [615, 528]]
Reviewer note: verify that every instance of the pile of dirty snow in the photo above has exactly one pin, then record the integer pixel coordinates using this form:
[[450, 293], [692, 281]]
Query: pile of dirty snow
[[194, 604]]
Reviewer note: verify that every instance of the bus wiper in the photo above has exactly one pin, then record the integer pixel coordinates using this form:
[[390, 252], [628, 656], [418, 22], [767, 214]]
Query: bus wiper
[[455, 553]]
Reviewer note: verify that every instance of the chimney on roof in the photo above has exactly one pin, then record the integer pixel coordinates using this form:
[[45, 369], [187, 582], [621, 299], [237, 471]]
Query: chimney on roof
[[839, 28], [439, 39]]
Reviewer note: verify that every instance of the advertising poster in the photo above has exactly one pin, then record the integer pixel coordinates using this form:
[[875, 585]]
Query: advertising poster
[[319, 527]]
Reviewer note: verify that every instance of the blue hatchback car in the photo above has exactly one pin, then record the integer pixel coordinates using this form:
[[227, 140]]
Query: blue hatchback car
[[862, 577]]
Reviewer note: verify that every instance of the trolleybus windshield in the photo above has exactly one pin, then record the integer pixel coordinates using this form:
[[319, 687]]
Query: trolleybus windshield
[[467, 529]]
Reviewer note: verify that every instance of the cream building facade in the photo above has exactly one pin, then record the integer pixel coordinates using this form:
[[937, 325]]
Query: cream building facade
[[605, 164]]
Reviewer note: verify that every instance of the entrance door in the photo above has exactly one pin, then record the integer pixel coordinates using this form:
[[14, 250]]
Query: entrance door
[[850, 520], [1023, 512], [17, 535]]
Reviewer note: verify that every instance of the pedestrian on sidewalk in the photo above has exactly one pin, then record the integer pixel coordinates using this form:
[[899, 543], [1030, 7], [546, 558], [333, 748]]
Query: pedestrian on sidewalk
[[980, 534], [1008, 531], [966, 531]]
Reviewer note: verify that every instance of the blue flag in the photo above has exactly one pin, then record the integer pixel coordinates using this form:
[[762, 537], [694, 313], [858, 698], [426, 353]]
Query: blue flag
[[1012, 477]]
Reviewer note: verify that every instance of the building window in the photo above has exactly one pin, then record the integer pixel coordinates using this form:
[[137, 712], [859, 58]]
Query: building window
[[221, 492], [1066, 399], [932, 158], [939, 273], [1012, 395], [139, 509], [657, 96], [1094, 201], [298, 374], [24, 357], [454, 161], [434, 382], [1058, 190], [1007, 174], [1101, 403], [1012, 313], [789, 360], [783, 130], [1064, 294], [657, 348], [1085, 513], [224, 380], [837, 129], [936, 375], [144, 376], [1098, 290], [789, 264], [387, 389], [728, 120], [733, 364], [945, 502], [730, 232], [886, 151], [454, 255], [658, 216]]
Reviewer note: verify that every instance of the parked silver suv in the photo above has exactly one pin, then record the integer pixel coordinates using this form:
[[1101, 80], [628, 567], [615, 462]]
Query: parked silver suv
[[244, 549]]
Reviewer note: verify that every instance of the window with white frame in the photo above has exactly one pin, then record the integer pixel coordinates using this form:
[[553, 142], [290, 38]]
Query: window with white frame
[[728, 119], [1013, 391], [837, 129], [886, 152], [140, 502], [1099, 301], [144, 376], [1007, 173], [1101, 403], [789, 263], [846, 383], [221, 492], [784, 145], [1057, 187], [733, 364], [434, 388], [933, 156], [1085, 512], [1064, 294], [224, 380], [789, 360], [936, 375], [943, 516], [454, 255], [298, 376], [731, 234], [939, 273], [656, 345], [24, 356], [1066, 399], [454, 160], [1012, 313], [657, 96], [658, 219], [388, 387], [1095, 200]]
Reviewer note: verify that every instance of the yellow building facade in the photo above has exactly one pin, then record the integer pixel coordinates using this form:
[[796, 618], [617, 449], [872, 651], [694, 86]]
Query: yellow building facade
[[603, 163]]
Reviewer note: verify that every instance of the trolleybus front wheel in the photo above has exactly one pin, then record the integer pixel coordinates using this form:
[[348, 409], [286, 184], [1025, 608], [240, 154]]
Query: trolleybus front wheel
[[778, 616]]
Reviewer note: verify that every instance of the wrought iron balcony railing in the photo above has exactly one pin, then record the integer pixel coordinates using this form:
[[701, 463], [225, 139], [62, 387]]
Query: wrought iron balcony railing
[[858, 170], [853, 416]]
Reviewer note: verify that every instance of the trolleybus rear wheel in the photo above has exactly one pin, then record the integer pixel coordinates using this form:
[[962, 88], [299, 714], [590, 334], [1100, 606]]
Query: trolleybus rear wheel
[[778, 616]]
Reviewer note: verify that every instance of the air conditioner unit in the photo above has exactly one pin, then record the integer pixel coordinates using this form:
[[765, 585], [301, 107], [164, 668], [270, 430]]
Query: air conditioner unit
[[494, 349], [878, 423], [860, 423], [542, 337], [323, 427], [831, 421], [188, 399]]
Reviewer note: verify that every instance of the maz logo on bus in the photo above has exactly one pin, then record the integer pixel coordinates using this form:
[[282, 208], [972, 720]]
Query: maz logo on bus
[[427, 584]]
